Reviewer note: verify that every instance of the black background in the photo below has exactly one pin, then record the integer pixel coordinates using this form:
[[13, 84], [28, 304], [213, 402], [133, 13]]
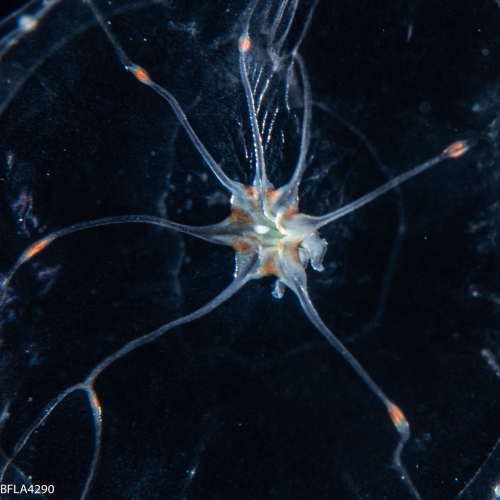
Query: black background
[[252, 396]]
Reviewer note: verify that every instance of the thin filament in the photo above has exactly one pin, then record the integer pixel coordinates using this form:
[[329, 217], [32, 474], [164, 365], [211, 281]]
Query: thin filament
[[87, 384], [278, 20], [143, 77], [202, 232], [291, 189], [453, 151], [398, 419], [260, 181]]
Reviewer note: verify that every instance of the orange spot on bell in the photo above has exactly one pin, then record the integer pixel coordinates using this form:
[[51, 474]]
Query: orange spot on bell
[[252, 192], [291, 213], [253, 195], [456, 149], [242, 246], [290, 249], [269, 268], [240, 217], [272, 195], [245, 43], [294, 251]]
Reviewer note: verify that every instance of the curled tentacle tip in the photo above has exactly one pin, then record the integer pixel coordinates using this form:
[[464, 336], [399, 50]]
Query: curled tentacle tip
[[457, 149]]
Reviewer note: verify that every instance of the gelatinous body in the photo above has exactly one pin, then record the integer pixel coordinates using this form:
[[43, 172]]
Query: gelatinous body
[[190, 356]]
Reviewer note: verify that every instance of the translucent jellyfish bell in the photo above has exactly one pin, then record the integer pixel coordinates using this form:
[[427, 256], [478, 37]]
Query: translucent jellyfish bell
[[166, 166]]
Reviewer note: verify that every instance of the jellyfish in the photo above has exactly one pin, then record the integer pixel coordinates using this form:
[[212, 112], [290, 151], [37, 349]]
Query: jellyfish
[[207, 289]]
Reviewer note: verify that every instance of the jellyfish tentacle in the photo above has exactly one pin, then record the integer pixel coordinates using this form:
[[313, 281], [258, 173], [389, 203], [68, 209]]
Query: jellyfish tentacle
[[306, 27], [97, 418], [455, 150], [144, 78], [261, 181], [208, 233], [289, 191], [252, 236], [397, 416], [237, 283], [37, 423], [277, 27], [87, 385], [293, 53], [243, 278], [295, 278], [401, 226], [228, 183]]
